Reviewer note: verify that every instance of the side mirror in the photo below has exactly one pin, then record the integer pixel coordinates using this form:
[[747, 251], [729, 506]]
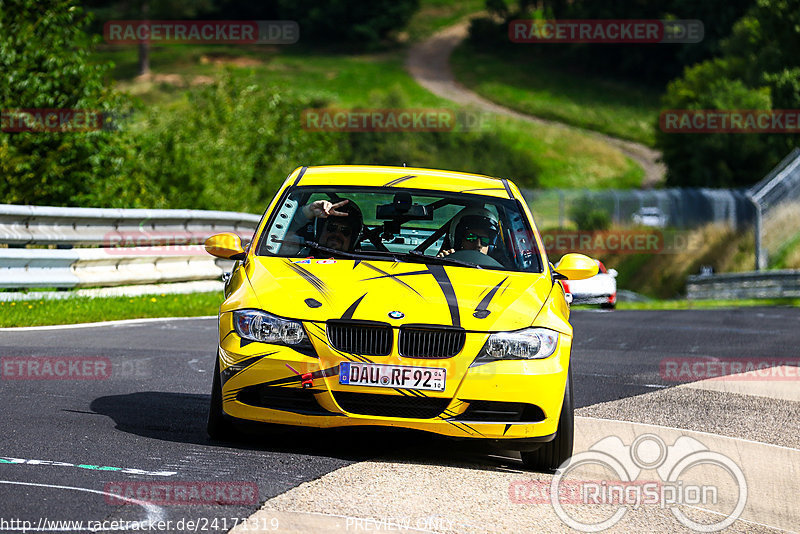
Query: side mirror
[[227, 246], [613, 272], [576, 267]]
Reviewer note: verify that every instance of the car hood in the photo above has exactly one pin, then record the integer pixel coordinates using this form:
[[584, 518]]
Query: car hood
[[474, 299]]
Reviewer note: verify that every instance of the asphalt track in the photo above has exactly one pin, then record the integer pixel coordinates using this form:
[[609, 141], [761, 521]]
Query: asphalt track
[[149, 413]]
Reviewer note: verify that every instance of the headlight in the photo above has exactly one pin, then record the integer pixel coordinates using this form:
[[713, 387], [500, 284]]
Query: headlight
[[527, 344], [256, 325]]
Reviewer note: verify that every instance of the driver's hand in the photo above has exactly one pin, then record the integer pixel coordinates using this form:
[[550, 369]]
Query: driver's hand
[[324, 209], [444, 253]]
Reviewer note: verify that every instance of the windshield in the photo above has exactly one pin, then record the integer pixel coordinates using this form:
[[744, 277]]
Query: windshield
[[401, 225]]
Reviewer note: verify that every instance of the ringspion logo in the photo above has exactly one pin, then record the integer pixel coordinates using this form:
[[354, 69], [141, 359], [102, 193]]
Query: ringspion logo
[[605, 31], [685, 479]]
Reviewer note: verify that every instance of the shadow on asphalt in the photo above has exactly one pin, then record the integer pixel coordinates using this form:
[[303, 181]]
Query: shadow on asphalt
[[181, 418]]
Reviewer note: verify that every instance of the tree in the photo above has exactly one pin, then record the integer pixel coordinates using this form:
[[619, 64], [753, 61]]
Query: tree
[[44, 58], [758, 69], [653, 64], [148, 10], [350, 21]]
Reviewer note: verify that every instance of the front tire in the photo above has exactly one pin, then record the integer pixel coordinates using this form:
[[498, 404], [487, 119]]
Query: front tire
[[552, 454], [218, 426]]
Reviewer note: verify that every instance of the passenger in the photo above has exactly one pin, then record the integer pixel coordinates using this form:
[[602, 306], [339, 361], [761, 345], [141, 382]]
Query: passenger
[[342, 224]]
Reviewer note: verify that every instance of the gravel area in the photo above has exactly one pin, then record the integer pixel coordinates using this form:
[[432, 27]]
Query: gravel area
[[772, 421], [448, 498]]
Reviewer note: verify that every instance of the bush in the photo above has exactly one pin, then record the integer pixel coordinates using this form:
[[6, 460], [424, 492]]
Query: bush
[[588, 215], [650, 64], [229, 147], [44, 58]]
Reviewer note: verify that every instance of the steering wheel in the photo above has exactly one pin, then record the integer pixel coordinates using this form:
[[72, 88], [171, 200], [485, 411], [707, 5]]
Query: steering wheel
[[476, 257]]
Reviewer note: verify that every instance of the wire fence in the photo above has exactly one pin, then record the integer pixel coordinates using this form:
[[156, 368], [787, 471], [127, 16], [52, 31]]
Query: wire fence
[[771, 207], [683, 208], [776, 200]]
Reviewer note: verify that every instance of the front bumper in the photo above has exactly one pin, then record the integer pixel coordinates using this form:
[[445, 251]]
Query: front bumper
[[518, 402]]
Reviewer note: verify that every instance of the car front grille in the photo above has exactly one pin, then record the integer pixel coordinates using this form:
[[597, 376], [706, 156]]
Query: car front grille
[[374, 339], [391, 405], [290, 399], [502, 412], [431, 341]]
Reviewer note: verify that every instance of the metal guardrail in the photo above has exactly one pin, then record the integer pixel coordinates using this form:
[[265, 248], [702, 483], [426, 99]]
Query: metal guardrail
[[128, 247], [46, 225], [750, 285]]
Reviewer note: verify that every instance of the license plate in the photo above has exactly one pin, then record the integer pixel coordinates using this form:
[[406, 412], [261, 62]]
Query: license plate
[[391, 376]]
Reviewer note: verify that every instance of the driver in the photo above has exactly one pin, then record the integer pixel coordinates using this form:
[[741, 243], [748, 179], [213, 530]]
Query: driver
[[473, 229], [341, 223]]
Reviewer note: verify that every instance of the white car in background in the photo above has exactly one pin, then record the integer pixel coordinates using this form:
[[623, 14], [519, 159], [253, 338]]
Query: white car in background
[[599, 289], [652, 217]]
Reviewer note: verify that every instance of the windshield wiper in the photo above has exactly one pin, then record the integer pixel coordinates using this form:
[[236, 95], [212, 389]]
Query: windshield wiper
[[443, 260]]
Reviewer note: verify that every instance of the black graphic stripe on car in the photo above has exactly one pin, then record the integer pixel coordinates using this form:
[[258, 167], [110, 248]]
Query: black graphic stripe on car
[[482, 309], [466, 431], [398, 180], [312, 279], [393, 276], [440, 275], [330, 371], [236, 368], [348, 313], [508, 188], [482, 189]]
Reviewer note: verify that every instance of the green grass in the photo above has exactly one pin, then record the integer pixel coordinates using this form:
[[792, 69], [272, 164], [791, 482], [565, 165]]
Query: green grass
[[545, 88], [76, 310], [561, 158], [704, 304], [87, 309]]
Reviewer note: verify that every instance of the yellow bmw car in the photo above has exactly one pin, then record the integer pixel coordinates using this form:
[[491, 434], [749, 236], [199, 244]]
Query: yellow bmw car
[[399, 297]]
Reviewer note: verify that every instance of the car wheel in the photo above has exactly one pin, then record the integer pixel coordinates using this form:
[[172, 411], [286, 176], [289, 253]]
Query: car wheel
[[218, 427], [608, 305], [552, 454]]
